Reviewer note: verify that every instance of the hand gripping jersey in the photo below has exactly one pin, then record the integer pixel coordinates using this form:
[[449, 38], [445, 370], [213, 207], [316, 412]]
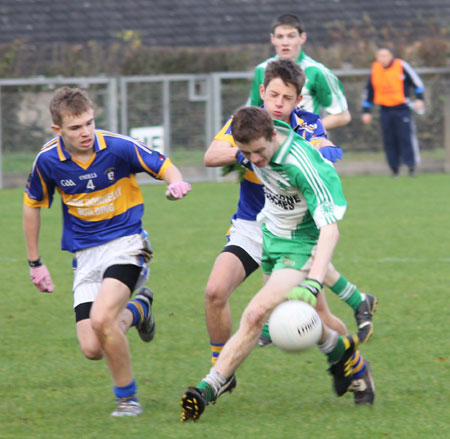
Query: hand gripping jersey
[[101, 199], [322, 88], [251, 199], [303, 191]]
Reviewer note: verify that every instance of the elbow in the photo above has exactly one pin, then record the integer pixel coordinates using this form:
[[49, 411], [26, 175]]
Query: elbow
[[207, 160], [346, 118], [342, 119]]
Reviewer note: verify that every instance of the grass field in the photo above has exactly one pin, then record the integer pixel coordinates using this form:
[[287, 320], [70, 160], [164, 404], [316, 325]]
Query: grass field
[[20, 162], [394, 243]]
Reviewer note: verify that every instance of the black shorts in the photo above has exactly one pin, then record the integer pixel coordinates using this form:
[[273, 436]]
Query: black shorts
[[249, 264]]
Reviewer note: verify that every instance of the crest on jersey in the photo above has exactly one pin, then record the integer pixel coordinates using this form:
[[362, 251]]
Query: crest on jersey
[[110, 174]]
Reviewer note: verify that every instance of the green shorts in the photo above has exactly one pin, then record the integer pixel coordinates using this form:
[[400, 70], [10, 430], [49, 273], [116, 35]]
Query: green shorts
[[285, 253]]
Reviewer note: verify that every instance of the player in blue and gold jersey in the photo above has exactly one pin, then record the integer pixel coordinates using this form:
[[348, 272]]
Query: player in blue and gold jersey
[[94, 171], [281, 93]]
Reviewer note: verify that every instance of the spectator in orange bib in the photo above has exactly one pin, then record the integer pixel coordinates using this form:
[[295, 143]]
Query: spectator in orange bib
[[389, 86]]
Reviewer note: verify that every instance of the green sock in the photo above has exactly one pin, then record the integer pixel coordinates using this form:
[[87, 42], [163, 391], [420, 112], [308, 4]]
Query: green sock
[[347, 292], [207, 391], [265, 330], [338, 350]]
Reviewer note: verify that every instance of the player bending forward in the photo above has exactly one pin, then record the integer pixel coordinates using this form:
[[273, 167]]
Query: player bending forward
[[298, 244]]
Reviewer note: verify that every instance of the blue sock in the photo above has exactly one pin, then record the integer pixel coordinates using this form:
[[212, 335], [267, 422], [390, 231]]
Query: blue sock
[[139, 309], [358, 365], [129, 392]]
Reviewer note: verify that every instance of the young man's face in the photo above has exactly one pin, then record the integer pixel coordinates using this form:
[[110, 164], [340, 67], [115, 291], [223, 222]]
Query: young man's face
[[279, 99], [259, 151], [77, 132], [287, 42]]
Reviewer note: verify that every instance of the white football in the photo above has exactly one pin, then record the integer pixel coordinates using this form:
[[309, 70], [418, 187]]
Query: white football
[[295, 326]]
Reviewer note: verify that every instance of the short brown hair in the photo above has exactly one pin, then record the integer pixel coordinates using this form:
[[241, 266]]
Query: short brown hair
[[69, 100], [251, 123], [288, 71], [288, 20]]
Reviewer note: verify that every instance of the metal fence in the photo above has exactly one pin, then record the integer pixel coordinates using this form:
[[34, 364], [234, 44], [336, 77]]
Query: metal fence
[[180, 114]]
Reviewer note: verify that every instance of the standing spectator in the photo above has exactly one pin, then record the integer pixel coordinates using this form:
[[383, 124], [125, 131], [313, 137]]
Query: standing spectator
[[389, 86], [94, 171], [322, 89]]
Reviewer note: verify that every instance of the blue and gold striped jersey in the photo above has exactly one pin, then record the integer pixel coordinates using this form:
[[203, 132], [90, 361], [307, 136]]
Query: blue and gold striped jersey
[[101, 199], [251, 198]]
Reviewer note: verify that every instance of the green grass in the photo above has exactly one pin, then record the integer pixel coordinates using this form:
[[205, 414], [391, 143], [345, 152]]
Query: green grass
[[21, 162], [394, 243]]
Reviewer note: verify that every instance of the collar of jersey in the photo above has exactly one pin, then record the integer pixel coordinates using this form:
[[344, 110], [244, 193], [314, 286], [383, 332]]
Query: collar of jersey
[[283, 150], [99, 143], [295, 120], [301, 56]]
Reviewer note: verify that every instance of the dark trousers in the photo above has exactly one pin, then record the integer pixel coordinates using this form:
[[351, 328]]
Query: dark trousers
[[399, 136]]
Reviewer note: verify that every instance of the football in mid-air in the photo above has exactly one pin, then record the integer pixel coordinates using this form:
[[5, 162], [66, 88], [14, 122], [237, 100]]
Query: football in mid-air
[[295, 326]]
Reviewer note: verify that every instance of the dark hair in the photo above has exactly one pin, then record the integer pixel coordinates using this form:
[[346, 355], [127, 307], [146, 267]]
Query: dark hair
[[288, 20], [73, 101], [288, 71], [251, 123]]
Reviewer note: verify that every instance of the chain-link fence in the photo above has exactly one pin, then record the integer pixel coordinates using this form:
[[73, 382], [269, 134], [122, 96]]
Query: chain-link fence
[[180, 114]]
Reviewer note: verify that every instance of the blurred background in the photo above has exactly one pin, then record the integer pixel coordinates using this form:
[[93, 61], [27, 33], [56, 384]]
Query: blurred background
[[170, 74]]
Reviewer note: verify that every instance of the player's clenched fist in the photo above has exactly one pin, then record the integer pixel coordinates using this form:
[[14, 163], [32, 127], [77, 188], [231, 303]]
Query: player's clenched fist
[[177, 190]]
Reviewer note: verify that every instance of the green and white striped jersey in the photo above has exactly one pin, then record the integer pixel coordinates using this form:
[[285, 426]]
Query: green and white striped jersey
[[303, 191], [322, 89]]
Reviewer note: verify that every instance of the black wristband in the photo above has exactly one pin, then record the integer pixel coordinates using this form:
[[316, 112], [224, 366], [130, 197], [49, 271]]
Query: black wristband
[[315, 280], [36, 263]]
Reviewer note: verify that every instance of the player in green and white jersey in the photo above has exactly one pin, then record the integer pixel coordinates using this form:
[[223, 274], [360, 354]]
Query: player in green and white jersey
[[303, 202], [322, 90]]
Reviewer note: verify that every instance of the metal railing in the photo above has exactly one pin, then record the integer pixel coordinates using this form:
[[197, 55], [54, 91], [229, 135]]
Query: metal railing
[[189, 109]]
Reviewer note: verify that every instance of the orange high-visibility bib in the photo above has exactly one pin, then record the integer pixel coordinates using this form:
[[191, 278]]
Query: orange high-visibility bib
[[388, 84]]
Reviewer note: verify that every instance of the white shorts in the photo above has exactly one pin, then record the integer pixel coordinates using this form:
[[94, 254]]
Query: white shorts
[[91, 263], [248, 236]]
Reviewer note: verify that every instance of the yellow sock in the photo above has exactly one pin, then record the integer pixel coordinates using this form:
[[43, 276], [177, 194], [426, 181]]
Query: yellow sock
[[216, 349]]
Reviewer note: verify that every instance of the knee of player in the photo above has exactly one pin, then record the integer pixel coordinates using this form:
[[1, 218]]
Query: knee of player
[[102, 325], [215, 293], [91, 352]]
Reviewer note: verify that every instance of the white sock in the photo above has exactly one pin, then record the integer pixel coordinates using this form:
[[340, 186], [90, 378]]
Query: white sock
[[330, 343], [215, 380]]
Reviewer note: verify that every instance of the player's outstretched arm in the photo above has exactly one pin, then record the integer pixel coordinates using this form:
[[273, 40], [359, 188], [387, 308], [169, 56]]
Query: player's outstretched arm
[[310, 288], [176, 187], [328, 239], [219, 153], [39, 273], [331, 121]]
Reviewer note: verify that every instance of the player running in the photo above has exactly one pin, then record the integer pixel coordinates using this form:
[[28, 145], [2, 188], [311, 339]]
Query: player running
[[94, 171]]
